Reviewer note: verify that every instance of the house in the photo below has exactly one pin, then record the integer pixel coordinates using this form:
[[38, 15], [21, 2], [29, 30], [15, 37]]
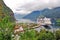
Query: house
[[44, 21], [18, 29]]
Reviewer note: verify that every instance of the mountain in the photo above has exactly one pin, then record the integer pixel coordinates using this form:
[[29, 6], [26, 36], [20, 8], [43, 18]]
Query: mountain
[[18, 16], [51, 13], [5, 11], [32, 16]]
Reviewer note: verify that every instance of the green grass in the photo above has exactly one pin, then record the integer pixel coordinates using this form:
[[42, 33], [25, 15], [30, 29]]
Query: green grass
[[58, 22]]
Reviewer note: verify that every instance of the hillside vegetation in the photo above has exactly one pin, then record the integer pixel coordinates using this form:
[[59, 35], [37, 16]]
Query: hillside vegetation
[[5, 11]]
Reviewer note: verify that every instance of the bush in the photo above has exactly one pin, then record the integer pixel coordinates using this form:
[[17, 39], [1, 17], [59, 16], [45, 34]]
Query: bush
[[32, 35], [46, 35], [6, 28], [28, 35], [57, 35]]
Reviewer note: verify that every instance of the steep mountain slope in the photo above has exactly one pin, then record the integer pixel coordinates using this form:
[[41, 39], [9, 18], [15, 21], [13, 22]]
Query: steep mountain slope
[[5, 11], [32, 16]]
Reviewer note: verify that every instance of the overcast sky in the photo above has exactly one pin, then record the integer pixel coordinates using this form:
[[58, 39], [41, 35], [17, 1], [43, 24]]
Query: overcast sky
[[27, 6]]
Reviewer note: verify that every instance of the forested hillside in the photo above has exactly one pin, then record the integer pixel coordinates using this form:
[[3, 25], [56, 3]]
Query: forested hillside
[[5, 11]]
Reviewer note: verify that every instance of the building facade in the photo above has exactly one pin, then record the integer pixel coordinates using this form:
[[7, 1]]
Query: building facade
[[44, 21]]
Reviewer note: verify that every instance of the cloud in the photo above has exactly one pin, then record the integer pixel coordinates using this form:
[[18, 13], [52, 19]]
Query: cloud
[[23, 12], [27, 6]]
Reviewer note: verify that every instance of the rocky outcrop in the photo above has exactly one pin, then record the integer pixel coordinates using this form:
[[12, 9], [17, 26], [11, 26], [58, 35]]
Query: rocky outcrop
[[5, 11]]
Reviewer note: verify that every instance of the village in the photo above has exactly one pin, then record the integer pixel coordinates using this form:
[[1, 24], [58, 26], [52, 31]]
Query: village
[[29, 19], [42, 23]]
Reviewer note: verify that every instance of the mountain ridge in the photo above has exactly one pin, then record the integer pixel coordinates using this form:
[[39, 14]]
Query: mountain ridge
[[51, 13]]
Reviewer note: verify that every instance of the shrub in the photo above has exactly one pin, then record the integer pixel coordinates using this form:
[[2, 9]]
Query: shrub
[[6, 28], [46, 35], [57, 35]]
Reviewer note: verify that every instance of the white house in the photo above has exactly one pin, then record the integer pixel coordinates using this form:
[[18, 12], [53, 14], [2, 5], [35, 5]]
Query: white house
[[44, 21]]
